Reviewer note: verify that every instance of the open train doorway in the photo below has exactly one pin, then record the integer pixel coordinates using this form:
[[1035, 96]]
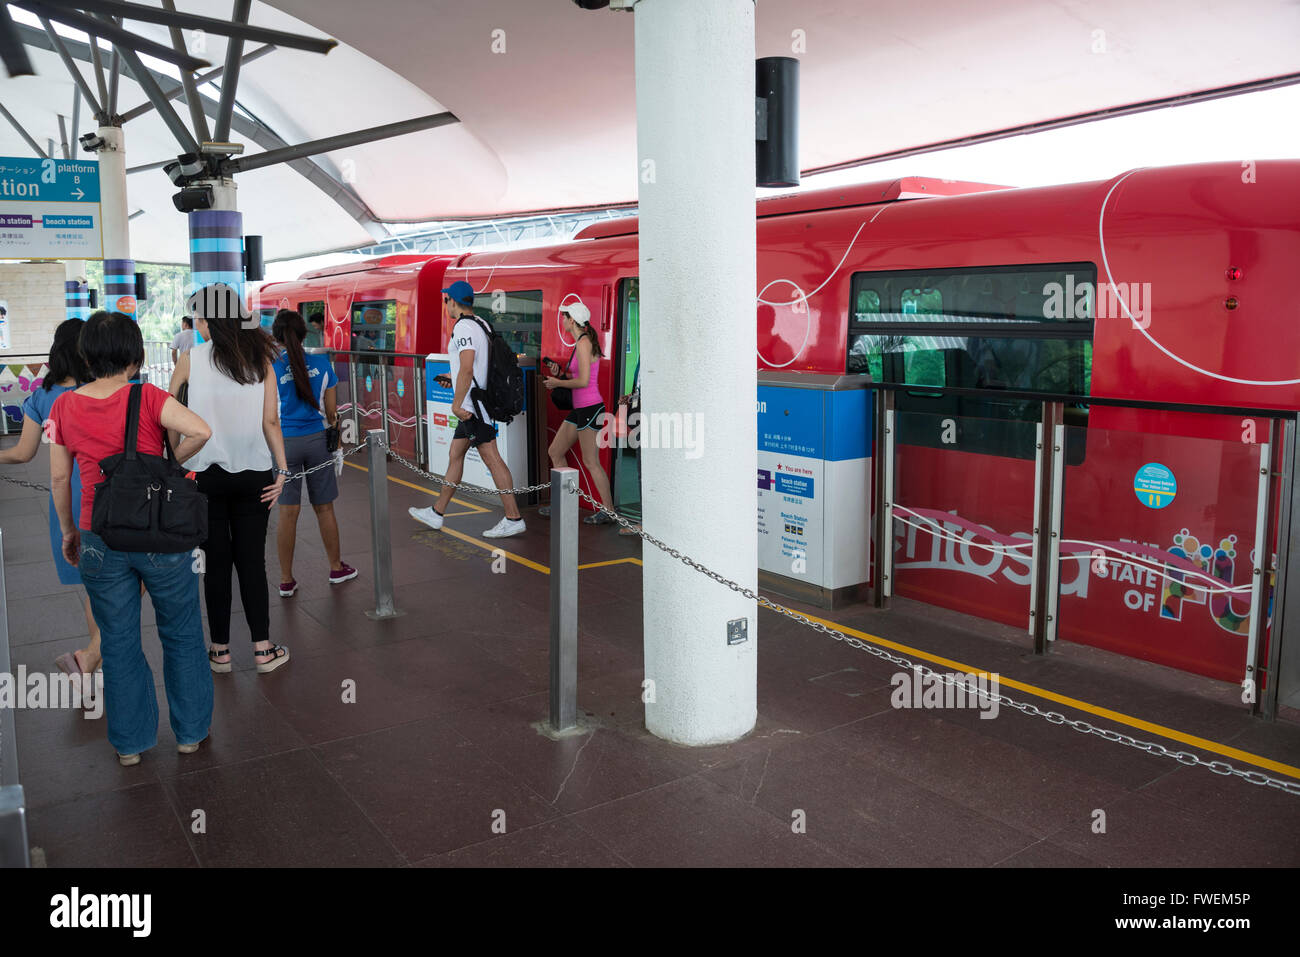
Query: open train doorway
[[626, 459]]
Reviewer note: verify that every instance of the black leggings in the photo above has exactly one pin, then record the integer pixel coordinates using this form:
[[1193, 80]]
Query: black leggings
[[236, 538]]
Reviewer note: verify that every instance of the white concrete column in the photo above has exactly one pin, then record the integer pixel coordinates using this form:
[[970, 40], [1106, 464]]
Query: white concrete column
[[115, 216], [695, 144]]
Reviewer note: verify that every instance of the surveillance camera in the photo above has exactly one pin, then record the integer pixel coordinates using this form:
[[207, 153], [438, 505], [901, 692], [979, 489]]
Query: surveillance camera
[[92, 142], [193, 197]]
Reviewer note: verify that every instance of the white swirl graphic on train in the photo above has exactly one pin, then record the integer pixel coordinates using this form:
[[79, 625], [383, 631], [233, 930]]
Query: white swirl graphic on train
[[803, 297], [1140, 327]]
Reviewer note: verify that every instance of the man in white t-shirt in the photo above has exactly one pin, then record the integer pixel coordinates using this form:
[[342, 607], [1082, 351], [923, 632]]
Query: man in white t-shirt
[[183, 341], [469, 351]]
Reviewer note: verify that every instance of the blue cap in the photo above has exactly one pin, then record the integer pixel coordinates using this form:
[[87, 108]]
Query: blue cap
[[462, 292]]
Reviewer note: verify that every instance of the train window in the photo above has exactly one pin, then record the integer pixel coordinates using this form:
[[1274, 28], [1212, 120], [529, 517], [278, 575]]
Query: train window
[[313, 313], [516, 315], [374, 326], [994, 328]]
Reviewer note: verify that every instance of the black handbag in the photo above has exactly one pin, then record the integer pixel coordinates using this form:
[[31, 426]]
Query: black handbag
[[145, 502], [331, 438], [563, 398]]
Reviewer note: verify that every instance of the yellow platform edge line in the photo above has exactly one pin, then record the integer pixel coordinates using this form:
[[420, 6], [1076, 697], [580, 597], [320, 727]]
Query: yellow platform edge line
[[1116, 716]]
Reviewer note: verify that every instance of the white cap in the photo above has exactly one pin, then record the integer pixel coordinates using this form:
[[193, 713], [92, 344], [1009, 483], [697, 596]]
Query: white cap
[[577, 312]]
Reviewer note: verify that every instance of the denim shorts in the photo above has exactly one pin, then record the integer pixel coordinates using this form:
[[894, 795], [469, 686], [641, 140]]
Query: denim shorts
[[301, 452]]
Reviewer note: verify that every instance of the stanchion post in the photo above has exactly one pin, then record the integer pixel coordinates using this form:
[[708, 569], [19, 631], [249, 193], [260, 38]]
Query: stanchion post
[[13, 816], [380, 540], [564, 599]]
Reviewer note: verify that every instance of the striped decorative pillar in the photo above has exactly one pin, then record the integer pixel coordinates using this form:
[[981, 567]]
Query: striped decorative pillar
[[77, 299], [216, 248], [119, 286]]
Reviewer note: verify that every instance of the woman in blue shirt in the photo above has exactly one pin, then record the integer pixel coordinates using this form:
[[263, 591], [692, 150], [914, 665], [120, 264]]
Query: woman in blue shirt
[[307, 406], [66, 371]]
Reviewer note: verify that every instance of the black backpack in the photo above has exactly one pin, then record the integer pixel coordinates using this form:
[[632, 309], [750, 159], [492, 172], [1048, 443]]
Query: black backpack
[[503, 399], [146, 503]]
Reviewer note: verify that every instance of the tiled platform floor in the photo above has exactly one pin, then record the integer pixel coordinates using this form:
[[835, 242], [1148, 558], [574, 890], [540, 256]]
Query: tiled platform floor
[[440, 751]]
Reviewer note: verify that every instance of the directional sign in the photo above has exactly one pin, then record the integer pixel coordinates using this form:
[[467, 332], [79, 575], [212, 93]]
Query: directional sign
[[49, 209]]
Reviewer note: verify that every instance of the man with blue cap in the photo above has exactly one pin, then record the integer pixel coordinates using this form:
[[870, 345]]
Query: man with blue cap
[[468, 351]]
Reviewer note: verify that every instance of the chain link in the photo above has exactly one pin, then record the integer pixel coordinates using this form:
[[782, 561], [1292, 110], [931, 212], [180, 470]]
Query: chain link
[[525, 490], [14, 481], [1054, 717]]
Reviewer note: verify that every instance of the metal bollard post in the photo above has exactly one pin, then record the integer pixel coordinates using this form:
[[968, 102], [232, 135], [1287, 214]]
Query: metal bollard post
[[380, 540], [564, 599], [13, 816]]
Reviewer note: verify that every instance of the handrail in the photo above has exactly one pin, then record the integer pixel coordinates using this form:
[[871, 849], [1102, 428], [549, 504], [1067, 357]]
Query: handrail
[[1066, 399]]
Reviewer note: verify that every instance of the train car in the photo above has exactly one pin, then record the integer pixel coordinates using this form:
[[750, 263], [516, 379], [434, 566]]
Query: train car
[[392, 305], [1164, 284]]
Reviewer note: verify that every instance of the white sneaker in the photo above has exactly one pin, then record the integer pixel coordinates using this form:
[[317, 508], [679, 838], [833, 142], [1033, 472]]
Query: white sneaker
[[505, 528], [426, 516]]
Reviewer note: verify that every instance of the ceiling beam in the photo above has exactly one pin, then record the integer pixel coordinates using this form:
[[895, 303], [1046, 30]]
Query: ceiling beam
[[330, 143], [237, 27], [199, 81], [109, 31], [252, 131], [234, 50], [145, 78], [12, 52], [36, 147], [62, 50], [197, 120]]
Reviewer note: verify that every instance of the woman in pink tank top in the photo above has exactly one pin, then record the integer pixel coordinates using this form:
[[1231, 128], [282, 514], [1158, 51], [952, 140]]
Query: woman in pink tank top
[[584, 422]]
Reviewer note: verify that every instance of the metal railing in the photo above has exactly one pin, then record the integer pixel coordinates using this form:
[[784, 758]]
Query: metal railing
[[158, 365], [1049, 547]]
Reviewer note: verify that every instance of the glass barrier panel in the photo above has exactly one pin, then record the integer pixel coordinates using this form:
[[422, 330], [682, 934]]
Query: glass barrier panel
[[963, 513], [1157, 537]]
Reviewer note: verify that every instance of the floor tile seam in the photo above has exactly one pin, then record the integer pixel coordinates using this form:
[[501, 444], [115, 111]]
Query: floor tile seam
[[402, 858]]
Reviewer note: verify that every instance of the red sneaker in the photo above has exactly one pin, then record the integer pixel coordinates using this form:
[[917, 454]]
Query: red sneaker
[[344, 574]]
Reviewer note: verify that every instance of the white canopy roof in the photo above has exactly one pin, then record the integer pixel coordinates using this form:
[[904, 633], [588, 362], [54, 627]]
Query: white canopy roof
[[549, 121]]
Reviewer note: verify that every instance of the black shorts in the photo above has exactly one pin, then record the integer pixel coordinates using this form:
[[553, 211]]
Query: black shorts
[[585, 418], [476, 430]]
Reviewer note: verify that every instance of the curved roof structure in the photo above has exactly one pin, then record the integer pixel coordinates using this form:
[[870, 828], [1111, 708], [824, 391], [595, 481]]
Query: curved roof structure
[[543, 92]]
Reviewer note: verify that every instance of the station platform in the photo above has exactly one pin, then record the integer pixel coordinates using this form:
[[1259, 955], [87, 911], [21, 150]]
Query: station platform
[[444, 739]]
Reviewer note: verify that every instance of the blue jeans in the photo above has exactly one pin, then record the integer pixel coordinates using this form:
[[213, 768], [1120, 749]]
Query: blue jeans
[[112, 581]]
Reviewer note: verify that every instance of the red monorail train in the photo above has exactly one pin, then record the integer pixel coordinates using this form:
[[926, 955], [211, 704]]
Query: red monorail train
[[1170, 284]]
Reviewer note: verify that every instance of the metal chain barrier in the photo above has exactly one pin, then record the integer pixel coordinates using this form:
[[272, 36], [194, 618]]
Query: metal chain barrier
[[525, 490], [327, 464], [14, 481], [1054, 717]]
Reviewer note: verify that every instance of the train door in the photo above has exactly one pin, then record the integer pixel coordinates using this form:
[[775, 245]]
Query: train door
[[625, 480]]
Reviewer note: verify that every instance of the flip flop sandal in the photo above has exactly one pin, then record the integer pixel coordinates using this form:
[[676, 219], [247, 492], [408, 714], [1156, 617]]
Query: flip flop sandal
[[598, 518], [281, 655], [220, 667]]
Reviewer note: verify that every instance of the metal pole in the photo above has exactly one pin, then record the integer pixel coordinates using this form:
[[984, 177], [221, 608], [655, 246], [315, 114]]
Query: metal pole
[[156, 96], [881, 534], [199, 81], [887, 510], [1035, 551], [1288, 510], [352, 394], [1258, 567], [1054, 518], [13, 820], [380, 541], [564, 599], [383, 396], [421, 458]]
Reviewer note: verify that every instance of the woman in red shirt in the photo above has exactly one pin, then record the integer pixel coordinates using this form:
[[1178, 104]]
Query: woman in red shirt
[[89, 424]]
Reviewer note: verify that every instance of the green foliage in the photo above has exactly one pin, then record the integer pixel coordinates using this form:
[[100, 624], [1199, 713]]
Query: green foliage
[[159, 315]]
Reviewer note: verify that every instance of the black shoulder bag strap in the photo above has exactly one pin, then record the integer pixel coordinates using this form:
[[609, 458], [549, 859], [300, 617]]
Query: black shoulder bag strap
[[132, 436]]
